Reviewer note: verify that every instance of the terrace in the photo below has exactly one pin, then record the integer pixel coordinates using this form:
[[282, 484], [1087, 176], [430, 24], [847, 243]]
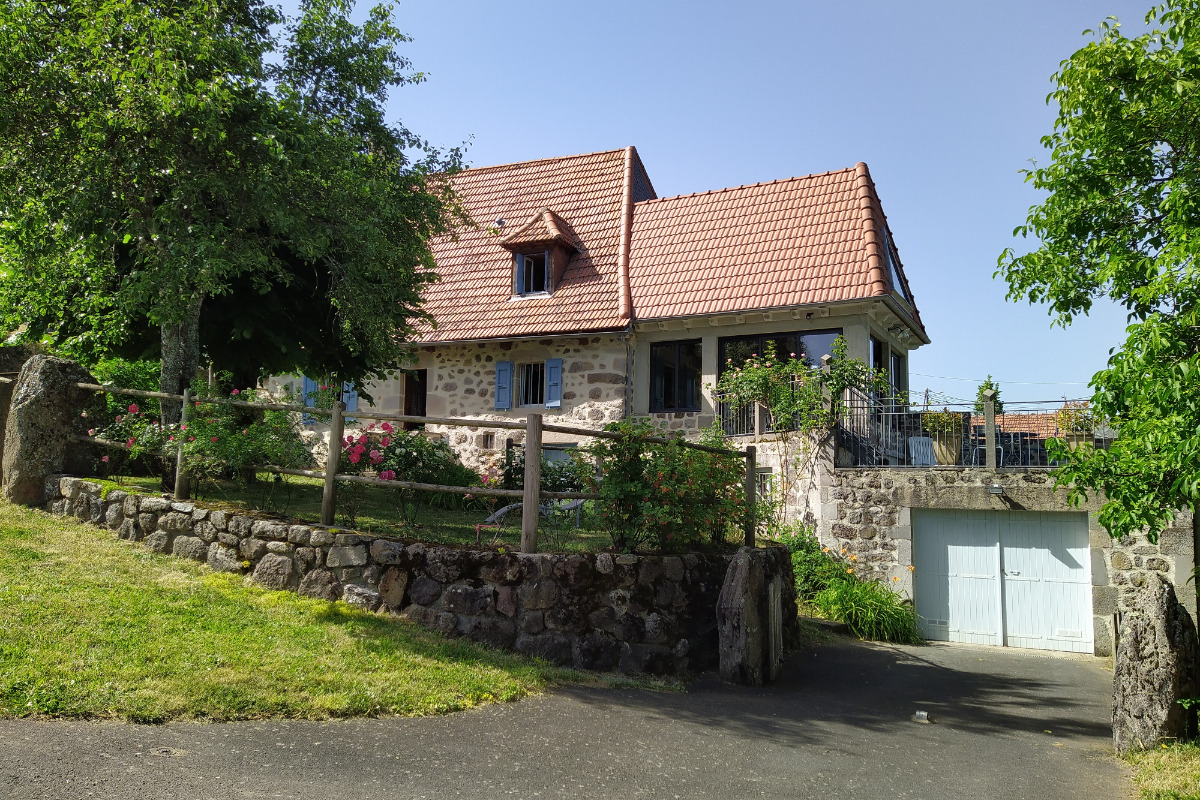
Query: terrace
[[876, 432]]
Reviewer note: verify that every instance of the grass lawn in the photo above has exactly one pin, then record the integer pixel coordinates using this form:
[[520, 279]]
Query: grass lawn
[[1168, 773], [96, 627], [384, 511]]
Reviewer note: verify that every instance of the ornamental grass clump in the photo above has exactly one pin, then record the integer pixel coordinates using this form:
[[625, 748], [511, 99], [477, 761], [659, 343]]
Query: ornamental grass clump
[[829, 584]]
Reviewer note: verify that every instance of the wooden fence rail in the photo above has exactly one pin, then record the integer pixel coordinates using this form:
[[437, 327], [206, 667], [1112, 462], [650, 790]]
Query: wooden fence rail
[[531, 493]]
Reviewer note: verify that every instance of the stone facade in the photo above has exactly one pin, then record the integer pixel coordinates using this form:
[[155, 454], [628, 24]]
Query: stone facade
[[600, 611], [868, 513], [461, 383]]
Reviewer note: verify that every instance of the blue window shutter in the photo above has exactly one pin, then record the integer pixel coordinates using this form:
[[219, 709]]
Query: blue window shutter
[[504, 385], [308, 388], [350, 396], [554, 383], [519, 274]]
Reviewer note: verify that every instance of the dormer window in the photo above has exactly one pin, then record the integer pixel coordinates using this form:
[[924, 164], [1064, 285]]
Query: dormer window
[[541, 250], [531, 271]]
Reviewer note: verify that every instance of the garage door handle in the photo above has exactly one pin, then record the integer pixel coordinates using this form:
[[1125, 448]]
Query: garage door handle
[[1013, 574]]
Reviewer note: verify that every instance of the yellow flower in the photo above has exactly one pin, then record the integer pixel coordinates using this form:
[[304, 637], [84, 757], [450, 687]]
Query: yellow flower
[[895, 577], [910, 567], [849, 570]]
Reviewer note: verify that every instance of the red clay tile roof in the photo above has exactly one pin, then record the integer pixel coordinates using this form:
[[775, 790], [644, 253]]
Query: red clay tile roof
[[791, 242], [785, 243], [474, 298]]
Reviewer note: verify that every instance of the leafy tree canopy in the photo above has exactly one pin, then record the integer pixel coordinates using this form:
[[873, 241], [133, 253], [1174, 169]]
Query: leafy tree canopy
[[217, 171], [988, 385], [1122, 220]]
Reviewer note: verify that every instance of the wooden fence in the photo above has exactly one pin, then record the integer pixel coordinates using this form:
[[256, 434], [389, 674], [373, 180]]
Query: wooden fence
[[530, 495]]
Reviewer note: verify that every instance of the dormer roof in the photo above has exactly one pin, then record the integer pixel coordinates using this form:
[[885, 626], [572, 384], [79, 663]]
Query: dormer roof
[[544, 228]]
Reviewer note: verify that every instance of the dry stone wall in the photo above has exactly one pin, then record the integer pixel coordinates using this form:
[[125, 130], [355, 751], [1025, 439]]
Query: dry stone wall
[[601, 611]]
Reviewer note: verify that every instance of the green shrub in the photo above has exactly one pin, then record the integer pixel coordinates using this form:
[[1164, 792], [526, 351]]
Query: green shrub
[[125, 374], [870, 610], [830, 585]]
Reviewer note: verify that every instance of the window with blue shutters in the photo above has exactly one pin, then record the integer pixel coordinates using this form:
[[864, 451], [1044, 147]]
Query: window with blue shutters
[[504, 385]]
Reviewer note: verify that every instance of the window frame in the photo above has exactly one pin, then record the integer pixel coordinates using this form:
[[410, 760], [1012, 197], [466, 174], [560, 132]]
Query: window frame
[[521, 274], [762, 340], [524, 384], [676, 345]]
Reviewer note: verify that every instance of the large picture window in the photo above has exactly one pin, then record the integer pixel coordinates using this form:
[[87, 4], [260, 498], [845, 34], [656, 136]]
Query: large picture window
[[812, 345], [675, 376]]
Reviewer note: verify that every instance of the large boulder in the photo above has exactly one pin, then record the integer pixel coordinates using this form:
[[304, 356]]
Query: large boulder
[[1155, 667], [743, 619], [43, 418]]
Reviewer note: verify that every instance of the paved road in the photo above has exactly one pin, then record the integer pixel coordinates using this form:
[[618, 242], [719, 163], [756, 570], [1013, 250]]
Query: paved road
[[1006, 725]]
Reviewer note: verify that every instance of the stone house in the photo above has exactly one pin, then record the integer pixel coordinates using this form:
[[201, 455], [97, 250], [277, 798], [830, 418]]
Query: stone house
[[582, 295]]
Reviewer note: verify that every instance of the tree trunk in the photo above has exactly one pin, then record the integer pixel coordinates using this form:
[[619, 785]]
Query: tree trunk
[[180, 358]]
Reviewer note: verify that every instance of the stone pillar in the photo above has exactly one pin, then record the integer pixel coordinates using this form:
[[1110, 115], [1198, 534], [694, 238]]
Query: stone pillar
[[1155, 667], [43, 417], [743, 617]]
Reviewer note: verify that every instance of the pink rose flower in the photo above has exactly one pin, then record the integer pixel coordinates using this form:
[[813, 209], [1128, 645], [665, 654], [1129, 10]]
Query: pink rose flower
[[235, 391], [376, 457], [170, 438], [371, 427], [133, 409], [104, 459], [355, 457], [386, 427], [91, 431], [183, 427], [191, 438], [129, 443], [386, 441], [214, 438], [119, 417]]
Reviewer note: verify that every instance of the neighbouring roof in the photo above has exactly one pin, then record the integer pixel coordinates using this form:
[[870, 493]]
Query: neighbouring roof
[[789, 242], [815, 239]]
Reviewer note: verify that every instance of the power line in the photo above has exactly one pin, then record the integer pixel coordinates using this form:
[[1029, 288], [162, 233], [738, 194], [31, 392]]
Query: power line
[[998, 380]]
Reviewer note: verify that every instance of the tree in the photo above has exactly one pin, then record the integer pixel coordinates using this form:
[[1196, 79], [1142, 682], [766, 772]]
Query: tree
[[988, 384], [1122, 220], [160, 159]]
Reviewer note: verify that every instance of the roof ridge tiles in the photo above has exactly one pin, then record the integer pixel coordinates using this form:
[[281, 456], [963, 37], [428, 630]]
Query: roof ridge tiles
[[793, 179], [510, 164]]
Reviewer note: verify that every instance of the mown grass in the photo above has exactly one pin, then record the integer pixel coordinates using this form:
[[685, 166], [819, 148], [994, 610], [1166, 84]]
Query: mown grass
[[96, 627], [381, 511], [1170, 772]]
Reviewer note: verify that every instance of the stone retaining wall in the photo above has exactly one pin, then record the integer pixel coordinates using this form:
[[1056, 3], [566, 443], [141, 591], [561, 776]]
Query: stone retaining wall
[[591, 611]]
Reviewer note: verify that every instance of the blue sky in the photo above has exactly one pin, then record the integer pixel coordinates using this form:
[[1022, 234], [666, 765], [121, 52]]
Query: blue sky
[[945, 101]]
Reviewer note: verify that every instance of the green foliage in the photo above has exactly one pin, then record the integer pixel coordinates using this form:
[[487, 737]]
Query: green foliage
[[560, 475], [988, 385], [944, 423], [802, 402], [870, 610], [1075, 416], [218, 440], [1121, 219], [665, 494], [217, 172], [830, 584], [126, 374]]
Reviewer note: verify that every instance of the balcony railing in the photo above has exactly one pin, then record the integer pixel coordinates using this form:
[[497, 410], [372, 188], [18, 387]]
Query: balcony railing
[[878, 433]]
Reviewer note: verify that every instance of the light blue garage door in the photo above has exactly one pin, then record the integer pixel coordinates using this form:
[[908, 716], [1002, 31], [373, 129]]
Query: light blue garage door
[[1020, 578]]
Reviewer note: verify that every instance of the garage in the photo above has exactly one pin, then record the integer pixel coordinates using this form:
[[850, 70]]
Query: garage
[[1016, 578]]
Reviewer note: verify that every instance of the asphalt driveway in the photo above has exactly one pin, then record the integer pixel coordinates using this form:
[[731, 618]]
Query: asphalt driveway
[[1005, 724]]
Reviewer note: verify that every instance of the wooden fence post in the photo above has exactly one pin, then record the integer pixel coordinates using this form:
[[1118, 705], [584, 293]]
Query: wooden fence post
[[182, 487], [751, 495], [329, 496], [533, 478]]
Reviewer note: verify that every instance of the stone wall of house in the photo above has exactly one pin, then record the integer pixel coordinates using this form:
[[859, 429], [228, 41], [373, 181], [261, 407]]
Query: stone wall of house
[[868, 514], [461, 383], [601, 611], [690, 422]]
